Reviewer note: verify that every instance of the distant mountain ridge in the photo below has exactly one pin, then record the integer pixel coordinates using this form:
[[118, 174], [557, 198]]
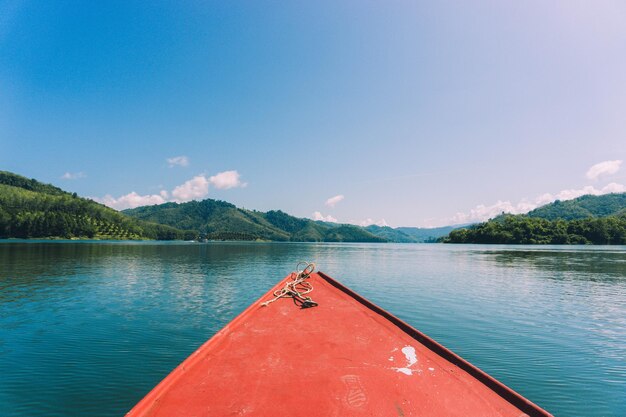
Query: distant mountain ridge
[[220, 220], [31, 209], [410, 234]]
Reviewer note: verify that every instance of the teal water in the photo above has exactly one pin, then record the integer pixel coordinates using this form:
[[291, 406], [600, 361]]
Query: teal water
[[88, 328]]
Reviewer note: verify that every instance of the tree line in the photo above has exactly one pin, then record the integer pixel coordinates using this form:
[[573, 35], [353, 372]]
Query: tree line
[[521, 229]]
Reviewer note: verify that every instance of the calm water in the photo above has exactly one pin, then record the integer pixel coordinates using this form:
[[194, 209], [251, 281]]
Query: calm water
[[87, 329]]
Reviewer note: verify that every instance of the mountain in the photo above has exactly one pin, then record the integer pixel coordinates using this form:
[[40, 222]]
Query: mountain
[[410, 234], [588, 219], [389, 234], [219, 220], [31, 209], [582, 207], [427, 235]]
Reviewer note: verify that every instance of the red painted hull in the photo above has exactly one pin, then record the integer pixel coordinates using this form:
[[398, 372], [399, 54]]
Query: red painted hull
[[346, 357]]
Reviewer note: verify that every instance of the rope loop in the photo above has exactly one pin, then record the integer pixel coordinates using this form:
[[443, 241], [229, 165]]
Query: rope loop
[[297, 287]]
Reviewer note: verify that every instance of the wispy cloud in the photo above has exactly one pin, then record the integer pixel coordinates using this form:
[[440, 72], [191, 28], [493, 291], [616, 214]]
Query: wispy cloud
[[369, 222], [366, 222], [484, 212], [193, 189], [73, 175], [602, 169], [331, 202], [181, 161], [132, 200], [574, 193], [317, 216]]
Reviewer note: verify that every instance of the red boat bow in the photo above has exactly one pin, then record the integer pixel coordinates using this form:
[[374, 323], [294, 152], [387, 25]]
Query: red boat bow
[[344, 357]]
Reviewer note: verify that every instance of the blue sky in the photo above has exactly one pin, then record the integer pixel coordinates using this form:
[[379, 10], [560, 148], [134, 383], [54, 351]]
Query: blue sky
[[404, 113]]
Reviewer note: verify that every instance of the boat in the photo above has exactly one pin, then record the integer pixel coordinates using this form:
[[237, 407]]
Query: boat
[[313, 347]]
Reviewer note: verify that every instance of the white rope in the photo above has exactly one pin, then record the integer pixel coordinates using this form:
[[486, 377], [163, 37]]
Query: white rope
[[297, 286]]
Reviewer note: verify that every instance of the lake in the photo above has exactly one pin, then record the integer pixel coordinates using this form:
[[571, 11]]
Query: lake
[[88, 328]]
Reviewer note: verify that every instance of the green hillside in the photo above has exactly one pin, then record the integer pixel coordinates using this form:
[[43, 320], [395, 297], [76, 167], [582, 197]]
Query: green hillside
[[31, 209], [219, 220], [582, 207], [599, 220]]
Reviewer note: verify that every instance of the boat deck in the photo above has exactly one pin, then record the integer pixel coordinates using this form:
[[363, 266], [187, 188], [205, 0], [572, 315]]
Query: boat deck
[[346, 357]]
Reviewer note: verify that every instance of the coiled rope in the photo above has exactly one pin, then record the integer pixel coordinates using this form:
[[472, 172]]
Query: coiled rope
[[297, 287]]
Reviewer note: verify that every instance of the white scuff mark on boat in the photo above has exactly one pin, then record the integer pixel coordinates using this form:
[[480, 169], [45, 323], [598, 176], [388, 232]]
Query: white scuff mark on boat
[[411, 356], [411, 359], [405, 371], [431, 369], [391, 358]]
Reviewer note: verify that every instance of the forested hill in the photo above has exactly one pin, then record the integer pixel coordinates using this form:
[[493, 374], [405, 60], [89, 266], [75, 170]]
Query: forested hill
[[588, 219], [582, 207], [31, 209], [220, 220]]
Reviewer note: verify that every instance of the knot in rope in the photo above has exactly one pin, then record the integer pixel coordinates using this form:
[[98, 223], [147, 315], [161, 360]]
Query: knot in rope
[[297, 287]]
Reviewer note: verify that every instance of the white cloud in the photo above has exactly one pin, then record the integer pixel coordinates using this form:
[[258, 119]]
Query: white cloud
[[182, 161], [227, 179], [369, 222], [613, 188], [331, 202], [132, 200], [319, 216], [73, 175], [603, 168], [483, 212], [197, 187], [574, 193]]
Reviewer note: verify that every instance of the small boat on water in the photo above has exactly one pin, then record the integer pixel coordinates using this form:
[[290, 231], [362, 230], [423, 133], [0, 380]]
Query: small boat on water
[[340, 355]]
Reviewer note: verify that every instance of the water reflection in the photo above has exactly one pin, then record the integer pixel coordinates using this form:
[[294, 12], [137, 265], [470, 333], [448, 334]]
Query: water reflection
[[605, 265]]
